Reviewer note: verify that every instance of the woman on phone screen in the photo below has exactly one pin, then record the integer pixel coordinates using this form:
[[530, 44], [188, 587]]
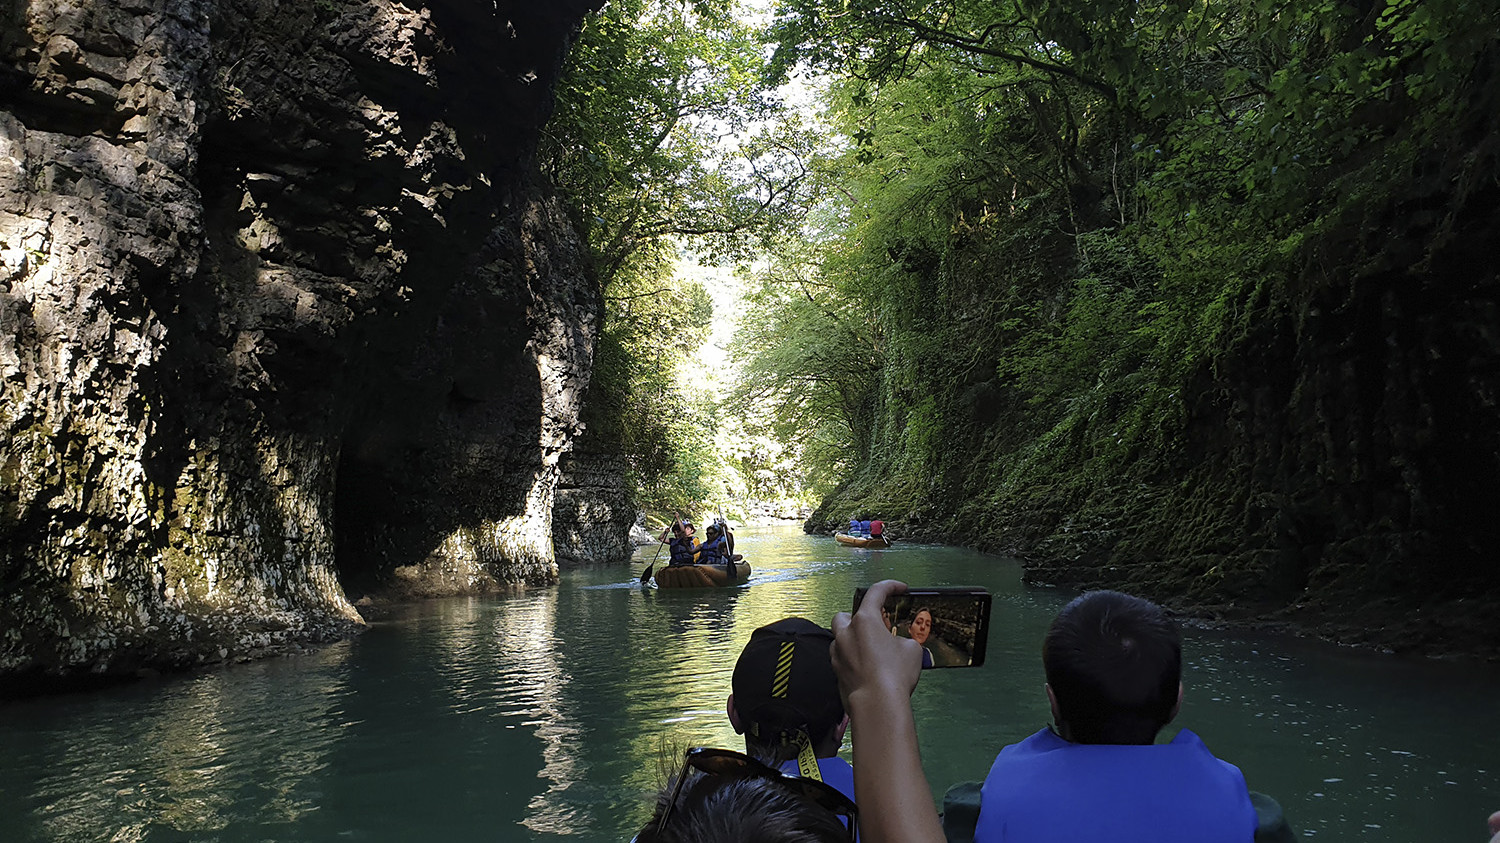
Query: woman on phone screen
[[920, 630]]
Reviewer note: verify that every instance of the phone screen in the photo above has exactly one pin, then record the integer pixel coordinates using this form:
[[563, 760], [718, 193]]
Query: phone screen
[[951, 624]]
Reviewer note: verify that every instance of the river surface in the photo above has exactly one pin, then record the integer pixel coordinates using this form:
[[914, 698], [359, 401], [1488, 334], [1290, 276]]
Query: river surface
[[544, 715]]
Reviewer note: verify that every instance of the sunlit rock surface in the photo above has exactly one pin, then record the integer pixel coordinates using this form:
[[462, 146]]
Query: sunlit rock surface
[[284, 316], [593, 512]]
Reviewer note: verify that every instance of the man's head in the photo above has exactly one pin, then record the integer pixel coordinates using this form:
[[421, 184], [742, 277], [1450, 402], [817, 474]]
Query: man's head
[[784, 684], [1114, 669]]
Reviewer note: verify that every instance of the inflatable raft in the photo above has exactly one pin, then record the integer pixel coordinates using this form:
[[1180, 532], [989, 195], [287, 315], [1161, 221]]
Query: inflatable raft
[[861, 541], [701, 576]]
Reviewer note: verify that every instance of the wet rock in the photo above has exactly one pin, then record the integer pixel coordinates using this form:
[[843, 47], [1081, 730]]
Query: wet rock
[[284, 307]]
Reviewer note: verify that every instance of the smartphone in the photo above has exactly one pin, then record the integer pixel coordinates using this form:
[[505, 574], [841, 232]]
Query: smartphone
[[951, 624]]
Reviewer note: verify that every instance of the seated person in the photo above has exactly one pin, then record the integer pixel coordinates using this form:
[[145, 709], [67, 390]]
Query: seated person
[[721, 796], [877, 529], [714, 550], [785, 701], [682, 545], [1114, 670], [864, 528], [853, 527], [1113, 663]]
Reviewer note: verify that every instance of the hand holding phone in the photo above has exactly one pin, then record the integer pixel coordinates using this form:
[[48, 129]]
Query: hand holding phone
[[951, 624]]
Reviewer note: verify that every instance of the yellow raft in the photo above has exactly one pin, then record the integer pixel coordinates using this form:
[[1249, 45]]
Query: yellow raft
[[701, 576], [858, 541]]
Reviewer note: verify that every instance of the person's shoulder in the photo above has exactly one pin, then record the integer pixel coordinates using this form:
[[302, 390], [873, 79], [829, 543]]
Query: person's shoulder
[[1188, 740], [1042, 740]]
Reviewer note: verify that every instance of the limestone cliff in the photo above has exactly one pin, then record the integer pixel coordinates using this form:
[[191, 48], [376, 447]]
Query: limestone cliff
[[285, 311]]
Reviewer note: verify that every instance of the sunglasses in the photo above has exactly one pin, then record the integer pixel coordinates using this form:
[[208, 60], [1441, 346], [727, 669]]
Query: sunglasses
[[738, 765]]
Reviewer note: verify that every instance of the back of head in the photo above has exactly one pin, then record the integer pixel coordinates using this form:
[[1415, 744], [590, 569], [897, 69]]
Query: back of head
[[717, 809], [1114, 663], [784, 684]]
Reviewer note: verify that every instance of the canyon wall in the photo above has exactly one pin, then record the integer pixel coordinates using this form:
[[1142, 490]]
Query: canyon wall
[[285, 315], [1332, 466]]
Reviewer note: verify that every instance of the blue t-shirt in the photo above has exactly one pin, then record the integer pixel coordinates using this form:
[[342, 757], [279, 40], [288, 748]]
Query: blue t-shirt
[[835, 771], [1048, 790]]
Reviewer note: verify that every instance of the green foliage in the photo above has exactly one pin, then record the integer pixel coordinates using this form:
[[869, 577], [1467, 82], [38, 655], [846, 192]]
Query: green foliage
[[666, 133], [654, 322], [808, 365], [664, 128], [1055, 216]]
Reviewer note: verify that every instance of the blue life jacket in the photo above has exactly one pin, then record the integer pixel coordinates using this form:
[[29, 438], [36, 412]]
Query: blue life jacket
[[853, 527], [682, 551], [713, 552], [864, 527], [1047, 790]]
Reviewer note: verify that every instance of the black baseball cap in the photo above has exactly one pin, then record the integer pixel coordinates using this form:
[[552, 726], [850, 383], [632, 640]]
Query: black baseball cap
[[784, 682]]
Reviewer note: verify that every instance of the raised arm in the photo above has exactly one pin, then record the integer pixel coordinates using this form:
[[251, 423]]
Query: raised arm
[[877, 673]]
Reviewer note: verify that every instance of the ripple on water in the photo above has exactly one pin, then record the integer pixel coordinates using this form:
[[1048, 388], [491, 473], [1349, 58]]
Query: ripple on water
[[545, 715]]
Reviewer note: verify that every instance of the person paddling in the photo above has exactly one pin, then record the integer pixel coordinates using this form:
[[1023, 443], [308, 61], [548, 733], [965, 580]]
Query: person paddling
[[682, 544]]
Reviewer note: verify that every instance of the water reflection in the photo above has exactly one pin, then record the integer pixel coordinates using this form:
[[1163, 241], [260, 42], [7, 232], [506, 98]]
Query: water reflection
[[544, 715], [178, 757]]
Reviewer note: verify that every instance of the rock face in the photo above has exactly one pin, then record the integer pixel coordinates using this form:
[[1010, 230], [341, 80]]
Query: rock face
[[286, 315], [593, 513]]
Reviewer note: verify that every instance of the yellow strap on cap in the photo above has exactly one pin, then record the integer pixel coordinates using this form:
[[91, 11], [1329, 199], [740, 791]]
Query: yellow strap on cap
[[807, 762], [783, 676]]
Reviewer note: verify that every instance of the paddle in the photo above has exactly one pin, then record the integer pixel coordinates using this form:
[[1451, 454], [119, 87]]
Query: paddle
[[646, 574], [729, 556]]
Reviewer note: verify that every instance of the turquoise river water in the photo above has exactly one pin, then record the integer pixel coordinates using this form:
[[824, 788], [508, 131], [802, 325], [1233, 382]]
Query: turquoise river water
[[544, 715]]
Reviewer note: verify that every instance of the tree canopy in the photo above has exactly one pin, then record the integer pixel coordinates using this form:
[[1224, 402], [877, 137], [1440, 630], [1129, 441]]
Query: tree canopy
[[1052, 217], [668, 137]]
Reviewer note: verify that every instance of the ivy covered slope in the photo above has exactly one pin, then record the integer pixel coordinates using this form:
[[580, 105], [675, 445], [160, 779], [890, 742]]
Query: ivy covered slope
[[1196, 300]]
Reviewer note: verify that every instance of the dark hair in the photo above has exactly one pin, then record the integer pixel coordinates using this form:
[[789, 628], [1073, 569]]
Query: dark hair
[[1114, 663], [720, 809]]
